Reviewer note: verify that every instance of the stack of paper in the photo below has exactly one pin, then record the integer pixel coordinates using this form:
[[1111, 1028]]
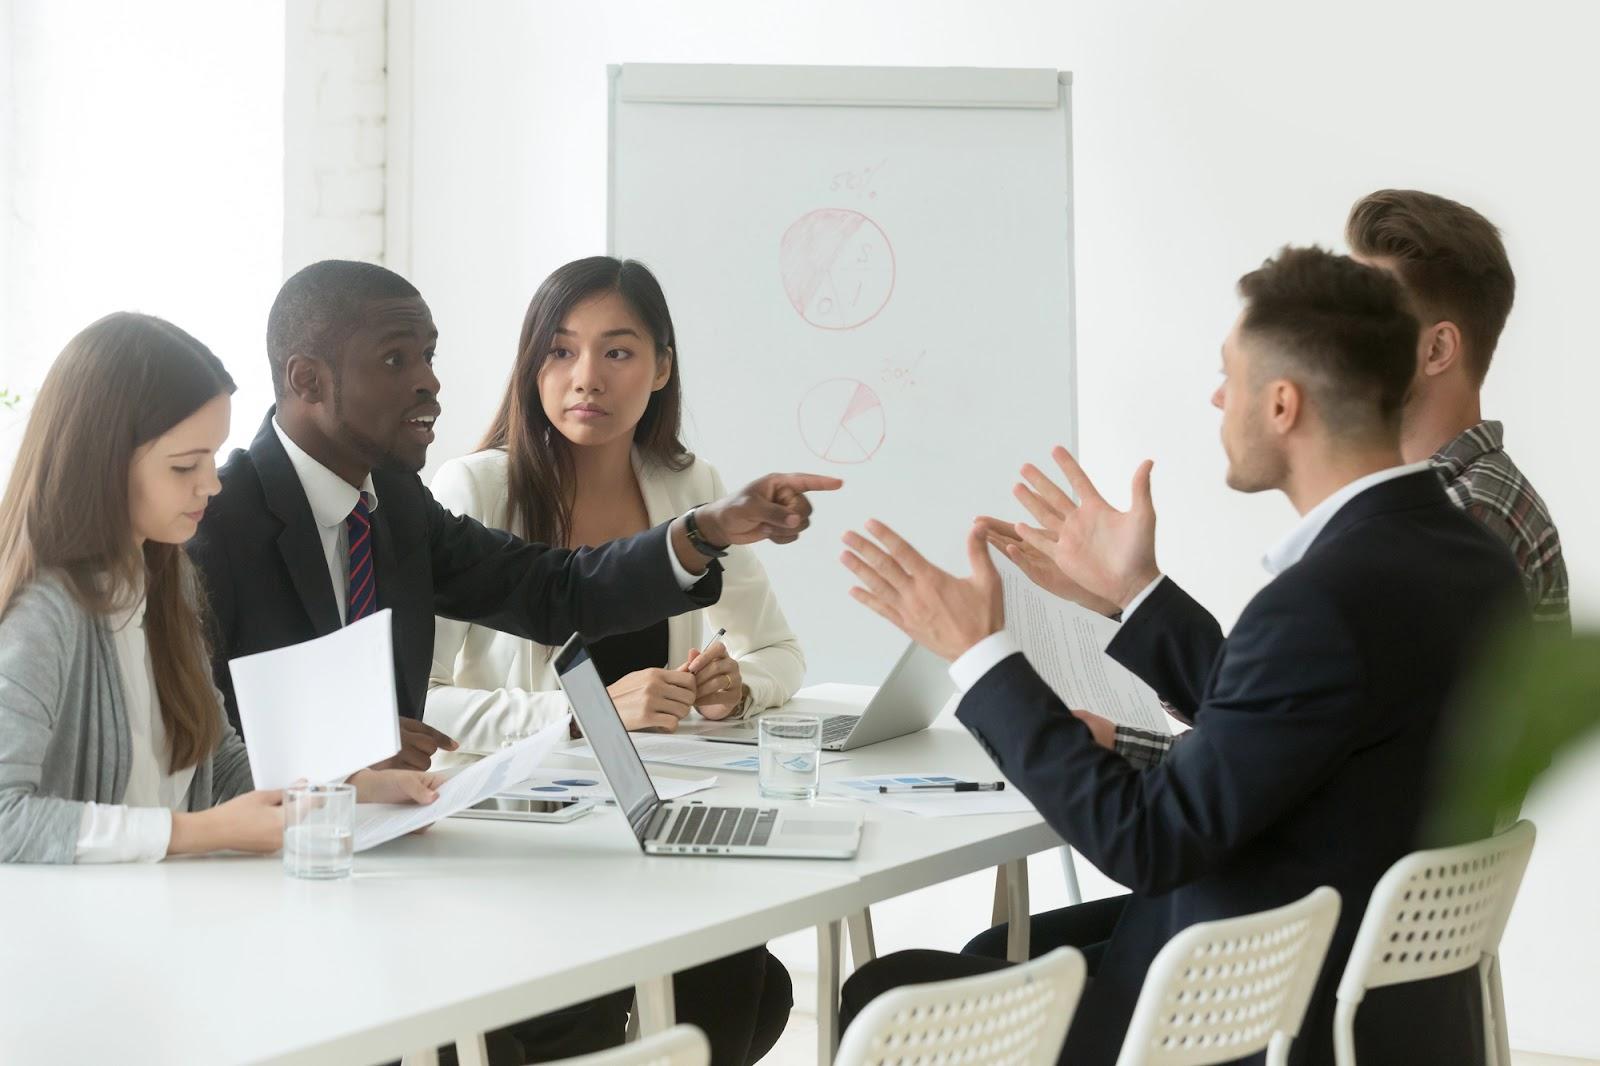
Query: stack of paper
[[658, 747], [1065, 644], [321, 710], [932, 803], [377, 823]]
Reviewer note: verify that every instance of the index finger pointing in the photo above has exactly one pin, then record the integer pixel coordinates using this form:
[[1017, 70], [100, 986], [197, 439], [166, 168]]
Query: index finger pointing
[[809, 482]]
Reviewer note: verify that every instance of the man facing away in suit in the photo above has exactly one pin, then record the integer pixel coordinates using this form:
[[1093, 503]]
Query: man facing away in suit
[[1314, 720]]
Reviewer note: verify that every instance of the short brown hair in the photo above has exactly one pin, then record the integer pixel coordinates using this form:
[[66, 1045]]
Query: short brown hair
[[1449, 257], [1341, 328]]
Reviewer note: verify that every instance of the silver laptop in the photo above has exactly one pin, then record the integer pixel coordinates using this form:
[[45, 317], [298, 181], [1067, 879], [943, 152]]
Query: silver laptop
[[912, 696], [690, 828]]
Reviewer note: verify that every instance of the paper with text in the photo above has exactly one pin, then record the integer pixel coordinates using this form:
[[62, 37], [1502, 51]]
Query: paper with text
[[322, 709], [378, 823], [561, 784], [1065, 644]]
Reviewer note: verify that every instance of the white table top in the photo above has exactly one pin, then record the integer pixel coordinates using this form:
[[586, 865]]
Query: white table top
[[466, 928]]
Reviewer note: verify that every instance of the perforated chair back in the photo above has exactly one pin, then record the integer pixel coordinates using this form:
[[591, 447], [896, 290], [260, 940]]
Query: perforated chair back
[[1222, 990], [1434, 913], [1012, 1017], [1438, 912], [682, 1045]]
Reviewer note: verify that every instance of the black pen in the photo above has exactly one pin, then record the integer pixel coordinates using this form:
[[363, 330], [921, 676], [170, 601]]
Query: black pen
[[953, 786]]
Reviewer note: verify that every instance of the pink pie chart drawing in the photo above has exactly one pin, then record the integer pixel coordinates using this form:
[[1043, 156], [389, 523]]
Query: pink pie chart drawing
[[837, 268], [841, 420]]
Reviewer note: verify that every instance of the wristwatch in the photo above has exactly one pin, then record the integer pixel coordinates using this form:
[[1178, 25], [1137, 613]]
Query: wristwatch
[[698, 542]]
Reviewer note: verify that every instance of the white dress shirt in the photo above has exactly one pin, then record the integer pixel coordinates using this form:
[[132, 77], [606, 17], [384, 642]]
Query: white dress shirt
[[140, 827], [989, 652], [332, 498]]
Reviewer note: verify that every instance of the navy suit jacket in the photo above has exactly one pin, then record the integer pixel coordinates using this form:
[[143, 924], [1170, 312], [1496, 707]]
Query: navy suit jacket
[[1314, 724], [266, 577]]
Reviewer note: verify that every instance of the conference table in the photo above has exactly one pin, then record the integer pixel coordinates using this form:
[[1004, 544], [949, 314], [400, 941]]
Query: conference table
[[441, 936]]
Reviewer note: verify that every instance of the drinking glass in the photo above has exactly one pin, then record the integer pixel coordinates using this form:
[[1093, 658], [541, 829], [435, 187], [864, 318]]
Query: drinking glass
[[318, 831], [791, 755]]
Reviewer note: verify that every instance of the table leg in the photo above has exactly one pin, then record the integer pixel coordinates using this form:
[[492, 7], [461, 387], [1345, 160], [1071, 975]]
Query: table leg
[[829, 937], [1018, 918], [863, 947], [425, 1057], [997, 913], [472, 1050], [653, 1001], [1070, 869]]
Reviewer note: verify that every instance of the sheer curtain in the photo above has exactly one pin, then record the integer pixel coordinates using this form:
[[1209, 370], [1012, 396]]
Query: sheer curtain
[[141, 169]]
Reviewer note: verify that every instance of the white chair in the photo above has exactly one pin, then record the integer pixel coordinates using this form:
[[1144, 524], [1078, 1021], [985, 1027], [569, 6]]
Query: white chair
[[1012, 1017], [1222, 990], [682, 1045], [1434, 913]]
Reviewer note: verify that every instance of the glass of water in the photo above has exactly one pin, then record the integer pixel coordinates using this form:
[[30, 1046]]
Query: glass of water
[[791, 756], [318, 831]]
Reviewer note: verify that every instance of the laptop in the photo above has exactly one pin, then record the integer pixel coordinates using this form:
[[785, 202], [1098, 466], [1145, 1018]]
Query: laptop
[[916, 690], [665, 828]]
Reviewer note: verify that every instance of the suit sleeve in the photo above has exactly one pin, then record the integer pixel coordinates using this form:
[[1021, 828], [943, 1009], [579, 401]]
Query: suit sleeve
[[1171, 644], [546, 594], [208, 552], [1282, 714]]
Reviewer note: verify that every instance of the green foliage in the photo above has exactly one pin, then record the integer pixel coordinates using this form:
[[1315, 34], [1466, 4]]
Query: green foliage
[[1538, 697]]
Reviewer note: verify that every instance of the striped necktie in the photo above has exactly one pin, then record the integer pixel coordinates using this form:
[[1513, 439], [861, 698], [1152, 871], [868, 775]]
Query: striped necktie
[[363, 586]]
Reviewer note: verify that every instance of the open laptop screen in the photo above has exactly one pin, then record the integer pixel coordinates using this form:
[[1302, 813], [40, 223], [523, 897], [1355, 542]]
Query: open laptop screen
[[603, 729]]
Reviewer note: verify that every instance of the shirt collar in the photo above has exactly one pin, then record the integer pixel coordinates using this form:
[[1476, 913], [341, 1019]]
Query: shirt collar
[[1291, 548], [332, 498], [1473, 444]]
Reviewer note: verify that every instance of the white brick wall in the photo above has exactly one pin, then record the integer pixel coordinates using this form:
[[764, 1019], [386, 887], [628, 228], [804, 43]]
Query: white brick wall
[[334, 131]]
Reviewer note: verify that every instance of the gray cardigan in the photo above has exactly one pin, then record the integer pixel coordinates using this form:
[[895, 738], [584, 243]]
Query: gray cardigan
[[64, 728]]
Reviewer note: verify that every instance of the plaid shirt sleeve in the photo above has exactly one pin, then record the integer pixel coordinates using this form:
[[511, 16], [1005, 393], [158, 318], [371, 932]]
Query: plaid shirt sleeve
[[1142, 748]]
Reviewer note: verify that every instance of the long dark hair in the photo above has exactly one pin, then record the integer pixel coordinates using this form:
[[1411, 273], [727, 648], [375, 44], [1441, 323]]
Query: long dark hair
[[539, 470], [118, 385]]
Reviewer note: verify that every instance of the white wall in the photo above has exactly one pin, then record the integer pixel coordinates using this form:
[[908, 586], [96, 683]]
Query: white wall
[[1206, 135], [144, 154], [335, 133]]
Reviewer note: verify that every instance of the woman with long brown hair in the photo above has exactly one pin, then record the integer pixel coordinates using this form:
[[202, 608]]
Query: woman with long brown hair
[[587, 448], [113, 741]]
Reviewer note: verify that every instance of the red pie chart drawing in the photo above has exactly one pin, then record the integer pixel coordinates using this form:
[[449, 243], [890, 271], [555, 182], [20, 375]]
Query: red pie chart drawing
[[841, 420], [837, 267]]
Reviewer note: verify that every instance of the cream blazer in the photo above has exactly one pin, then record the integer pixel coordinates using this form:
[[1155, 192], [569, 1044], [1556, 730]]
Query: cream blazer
[[486, 684]]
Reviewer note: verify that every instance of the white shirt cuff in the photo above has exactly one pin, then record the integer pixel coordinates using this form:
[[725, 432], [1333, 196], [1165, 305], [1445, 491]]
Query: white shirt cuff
[[983, 657], [112, 832], [680, 573], [1144, 594]]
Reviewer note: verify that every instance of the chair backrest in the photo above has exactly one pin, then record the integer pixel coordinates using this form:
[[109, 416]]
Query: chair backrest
[[1222, 990], [682, 1045], [1017, 1016], [1437, 912]]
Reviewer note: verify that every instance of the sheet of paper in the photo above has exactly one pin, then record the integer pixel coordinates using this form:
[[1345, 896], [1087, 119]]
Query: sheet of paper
[[585, 784], [321, 709], [378, 823], [932, 804], [1066, 645], [705, 754]]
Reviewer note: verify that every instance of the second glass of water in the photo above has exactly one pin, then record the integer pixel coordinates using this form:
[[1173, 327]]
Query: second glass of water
[[791, 756], [319, 831]]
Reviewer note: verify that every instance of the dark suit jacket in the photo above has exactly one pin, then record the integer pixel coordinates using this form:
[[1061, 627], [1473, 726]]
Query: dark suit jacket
[[1315, 721], [266, 576]]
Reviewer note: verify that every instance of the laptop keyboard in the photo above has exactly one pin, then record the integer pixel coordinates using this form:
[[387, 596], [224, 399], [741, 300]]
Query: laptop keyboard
[[836, 727], [717, 826]]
